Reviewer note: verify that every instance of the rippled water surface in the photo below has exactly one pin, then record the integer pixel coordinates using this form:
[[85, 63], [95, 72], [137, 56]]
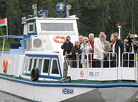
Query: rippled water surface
[[10, 98]]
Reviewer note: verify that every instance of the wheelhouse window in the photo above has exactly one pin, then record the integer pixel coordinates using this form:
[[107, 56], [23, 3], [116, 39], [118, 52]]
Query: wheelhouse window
[[57, 27], [34, 63], [31, 27], [39, 63], [46, 65], [30, 64], [55, 67], [25, 64]]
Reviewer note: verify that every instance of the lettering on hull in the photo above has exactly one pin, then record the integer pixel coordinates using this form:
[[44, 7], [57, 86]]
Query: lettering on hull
[[67, 91]]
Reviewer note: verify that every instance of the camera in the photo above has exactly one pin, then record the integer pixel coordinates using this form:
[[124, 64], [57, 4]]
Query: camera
[[67, 39], [86, 41], [129, 39]]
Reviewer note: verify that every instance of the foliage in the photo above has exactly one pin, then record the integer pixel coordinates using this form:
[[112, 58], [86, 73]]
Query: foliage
[[94, 15]]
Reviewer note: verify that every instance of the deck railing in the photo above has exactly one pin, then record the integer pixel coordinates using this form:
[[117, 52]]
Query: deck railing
[[128, 60], [106, 62], [110, 68]]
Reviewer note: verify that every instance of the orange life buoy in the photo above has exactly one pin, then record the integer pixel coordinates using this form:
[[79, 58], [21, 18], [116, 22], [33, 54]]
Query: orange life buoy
[[55, 38], [5, 64]]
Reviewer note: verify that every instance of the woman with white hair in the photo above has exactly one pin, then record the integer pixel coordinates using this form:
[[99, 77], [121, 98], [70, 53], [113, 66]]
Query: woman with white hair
[[86, 49]]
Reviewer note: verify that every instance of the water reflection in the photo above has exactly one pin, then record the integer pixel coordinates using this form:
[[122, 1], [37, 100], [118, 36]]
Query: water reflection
[[10, 98]]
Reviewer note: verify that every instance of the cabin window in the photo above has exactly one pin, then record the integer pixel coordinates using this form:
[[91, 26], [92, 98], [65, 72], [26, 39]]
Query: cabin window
[[39, 63], [30, 64], [31, 27], [46, 65], [55, 67], [35, 62], [57, 27], [25, 64]]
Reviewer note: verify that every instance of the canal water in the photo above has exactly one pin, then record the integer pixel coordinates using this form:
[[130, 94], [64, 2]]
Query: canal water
[[10, 98]]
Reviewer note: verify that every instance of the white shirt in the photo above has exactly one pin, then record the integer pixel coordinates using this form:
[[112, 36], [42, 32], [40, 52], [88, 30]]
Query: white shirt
[[113, 49], [98, 49]]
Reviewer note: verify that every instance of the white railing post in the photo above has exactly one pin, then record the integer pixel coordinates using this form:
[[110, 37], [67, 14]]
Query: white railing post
[[119, 49], [136, 69], [3, 45]]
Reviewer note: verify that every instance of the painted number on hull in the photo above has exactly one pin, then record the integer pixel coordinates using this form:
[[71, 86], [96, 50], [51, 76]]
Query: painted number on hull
[[93, 74], [67, 91]]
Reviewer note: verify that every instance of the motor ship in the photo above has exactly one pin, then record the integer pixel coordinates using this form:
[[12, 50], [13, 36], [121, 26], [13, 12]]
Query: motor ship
[[32, 68]]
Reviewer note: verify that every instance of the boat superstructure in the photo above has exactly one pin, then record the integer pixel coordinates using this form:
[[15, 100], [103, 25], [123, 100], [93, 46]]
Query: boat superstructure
[[35, 66]]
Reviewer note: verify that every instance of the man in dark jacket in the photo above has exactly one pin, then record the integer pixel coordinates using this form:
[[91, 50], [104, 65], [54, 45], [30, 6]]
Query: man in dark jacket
[[76, 55], [115, 49], [67, 46], [131, 46]]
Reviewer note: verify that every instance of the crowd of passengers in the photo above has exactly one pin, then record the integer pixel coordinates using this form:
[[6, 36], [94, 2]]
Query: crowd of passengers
[[99, 49], [98, 52]]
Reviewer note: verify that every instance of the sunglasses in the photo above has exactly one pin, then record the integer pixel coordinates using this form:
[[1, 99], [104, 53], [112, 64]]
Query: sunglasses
[[115, 36]]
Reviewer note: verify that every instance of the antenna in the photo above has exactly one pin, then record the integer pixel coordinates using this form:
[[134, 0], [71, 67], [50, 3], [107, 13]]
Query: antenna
[[68, 8], [34, 6]]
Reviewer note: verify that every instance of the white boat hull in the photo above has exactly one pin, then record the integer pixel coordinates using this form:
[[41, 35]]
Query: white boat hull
[[67, 92]]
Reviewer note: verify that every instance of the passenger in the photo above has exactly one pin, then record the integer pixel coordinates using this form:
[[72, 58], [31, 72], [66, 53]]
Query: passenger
[[135, 37], [125, 55], [131, 46], [91, 40], [81, 42], [115, 49], [75, 54], [81, 39], [99, 49], [131, 35], [125, 44], [135, 43], [112, 39], [107, 48], [86, 48], [112, 35], [67, 46]]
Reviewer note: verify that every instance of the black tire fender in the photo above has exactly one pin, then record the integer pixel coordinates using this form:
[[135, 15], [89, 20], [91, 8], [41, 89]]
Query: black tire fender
[[35, 74]]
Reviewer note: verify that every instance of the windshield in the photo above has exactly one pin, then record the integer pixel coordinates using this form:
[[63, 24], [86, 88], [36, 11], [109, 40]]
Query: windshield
[[57, 27]]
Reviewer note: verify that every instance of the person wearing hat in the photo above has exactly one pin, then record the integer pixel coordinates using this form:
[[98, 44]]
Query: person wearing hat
[[132, 47]]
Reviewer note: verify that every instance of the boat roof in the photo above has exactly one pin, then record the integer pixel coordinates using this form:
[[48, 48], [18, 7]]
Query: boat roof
[[42, 18], [13, 36]]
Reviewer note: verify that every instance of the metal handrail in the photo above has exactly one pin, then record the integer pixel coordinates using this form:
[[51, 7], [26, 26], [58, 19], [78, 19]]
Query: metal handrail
[[128, 54], [79, 60]]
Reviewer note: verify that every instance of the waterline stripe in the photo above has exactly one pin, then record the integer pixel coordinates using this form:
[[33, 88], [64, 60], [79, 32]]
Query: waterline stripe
[[67, 84]]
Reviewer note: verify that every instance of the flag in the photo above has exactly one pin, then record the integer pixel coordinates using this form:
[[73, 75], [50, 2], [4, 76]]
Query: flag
[[118, 24], [3, 22]]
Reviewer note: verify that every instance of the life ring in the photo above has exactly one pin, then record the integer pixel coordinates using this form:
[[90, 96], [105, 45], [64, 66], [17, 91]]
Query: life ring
[[5, 64], [59, 41], [34, 74]]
